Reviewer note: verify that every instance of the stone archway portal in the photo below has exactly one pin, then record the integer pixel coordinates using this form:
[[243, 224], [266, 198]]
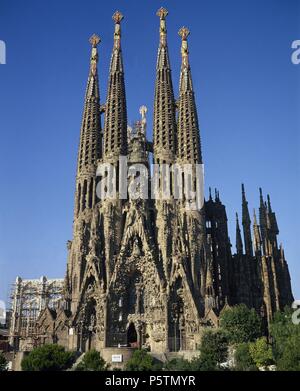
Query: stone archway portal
[[132, 337]]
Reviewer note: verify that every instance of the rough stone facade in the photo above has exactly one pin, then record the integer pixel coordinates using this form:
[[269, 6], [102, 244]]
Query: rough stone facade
[[152, 273]]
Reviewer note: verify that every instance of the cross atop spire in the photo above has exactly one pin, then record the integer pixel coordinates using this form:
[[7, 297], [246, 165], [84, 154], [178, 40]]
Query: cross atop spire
[[184, 32], [162, 13], [94, 40], [117, 17]]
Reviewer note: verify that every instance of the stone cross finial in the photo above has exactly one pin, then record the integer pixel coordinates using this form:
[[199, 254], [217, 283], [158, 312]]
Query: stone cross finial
[[162, 13], [117, 17], [94, 40], [184, 32]]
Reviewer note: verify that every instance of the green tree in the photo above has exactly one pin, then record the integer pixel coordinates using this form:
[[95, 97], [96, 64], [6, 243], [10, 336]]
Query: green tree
[[3, 362], [241, 324], [48, 358], [261, 352], [213, 351], [281, 329], [290, 357], [179, 364], [142, 361], [286, 341], [92, 361], [243, 359]]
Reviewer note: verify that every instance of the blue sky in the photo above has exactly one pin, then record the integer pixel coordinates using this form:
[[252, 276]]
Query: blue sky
[[247, 91]]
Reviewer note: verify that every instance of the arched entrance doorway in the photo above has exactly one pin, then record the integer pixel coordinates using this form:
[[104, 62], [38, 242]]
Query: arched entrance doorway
[[132, 338]]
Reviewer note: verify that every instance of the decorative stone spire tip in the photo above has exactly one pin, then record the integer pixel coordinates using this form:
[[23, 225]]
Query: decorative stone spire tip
[[117, 17], [94, 40], [162, 13], [184, 32]]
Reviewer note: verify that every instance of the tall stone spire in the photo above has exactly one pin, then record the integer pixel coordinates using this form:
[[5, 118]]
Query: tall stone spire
[[164, 127], [246, 224], [189, 152], [263, 219], [189, 146], [90, 136], [272, 222], [115, 128], [256, 234], [115, 145], [239, 243], [85, 195]]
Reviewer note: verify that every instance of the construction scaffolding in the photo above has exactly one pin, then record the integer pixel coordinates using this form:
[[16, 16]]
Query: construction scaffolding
[[28, 299]]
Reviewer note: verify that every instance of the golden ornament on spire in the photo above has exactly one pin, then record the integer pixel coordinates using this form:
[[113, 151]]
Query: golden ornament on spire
[[162, 13], [184, 32], [94, 40], [117, 17]]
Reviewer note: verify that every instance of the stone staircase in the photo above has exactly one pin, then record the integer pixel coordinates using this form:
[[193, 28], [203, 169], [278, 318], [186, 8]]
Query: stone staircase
[[78, 360]]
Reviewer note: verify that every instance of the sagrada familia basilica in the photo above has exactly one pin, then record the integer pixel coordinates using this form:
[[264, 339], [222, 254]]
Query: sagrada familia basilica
[[152, 273]]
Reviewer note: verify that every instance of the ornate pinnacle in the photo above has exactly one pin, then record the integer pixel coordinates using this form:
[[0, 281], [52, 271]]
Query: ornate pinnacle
[[162, 13], [143, 111], [184, 32], [254, 217], [94, 40], [117, 17]]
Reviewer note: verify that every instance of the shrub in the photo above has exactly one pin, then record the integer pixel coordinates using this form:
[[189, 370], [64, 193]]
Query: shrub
[[142, 361], [243, 359], [3, 362], [179, 364], [261, 352], [213, 351], [48, 358], [290, 357], [286, 341], [92, 361]]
